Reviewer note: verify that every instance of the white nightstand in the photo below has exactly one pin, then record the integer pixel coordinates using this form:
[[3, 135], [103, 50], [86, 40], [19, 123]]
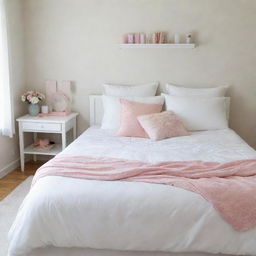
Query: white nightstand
[[51, 124]]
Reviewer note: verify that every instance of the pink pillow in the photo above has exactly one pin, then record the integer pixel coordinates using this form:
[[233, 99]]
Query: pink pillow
[[130, 110], [162, 125]]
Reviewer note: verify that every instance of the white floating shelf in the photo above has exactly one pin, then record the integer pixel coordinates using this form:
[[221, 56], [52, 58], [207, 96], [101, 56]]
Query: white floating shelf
[[184, 46], [52, 152]]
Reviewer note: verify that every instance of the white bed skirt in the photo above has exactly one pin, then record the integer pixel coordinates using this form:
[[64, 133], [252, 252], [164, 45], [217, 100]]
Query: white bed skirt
[[53, 251]]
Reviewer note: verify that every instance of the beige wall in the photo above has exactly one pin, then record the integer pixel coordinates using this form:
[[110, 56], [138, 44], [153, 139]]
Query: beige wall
[[78, 40], [9, 147]]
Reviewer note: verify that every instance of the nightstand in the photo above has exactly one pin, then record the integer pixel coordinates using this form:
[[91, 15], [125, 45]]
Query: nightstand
[[51, 124]]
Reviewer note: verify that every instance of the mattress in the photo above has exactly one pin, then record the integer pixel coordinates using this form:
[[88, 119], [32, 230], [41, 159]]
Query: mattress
[[131, 216]]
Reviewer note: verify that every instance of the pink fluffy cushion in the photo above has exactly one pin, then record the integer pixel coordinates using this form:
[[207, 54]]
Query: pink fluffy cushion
[[162, 125], [130, 110]]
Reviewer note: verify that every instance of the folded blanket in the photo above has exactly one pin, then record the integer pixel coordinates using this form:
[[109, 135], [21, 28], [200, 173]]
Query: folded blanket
[[229, 187]]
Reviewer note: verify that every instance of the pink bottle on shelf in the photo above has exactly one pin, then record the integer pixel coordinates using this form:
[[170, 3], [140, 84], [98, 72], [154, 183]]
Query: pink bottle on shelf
[[125, 39], [137, 38], [130, 38], [142, 38]]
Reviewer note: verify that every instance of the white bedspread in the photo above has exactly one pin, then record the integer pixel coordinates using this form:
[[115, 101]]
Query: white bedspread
[[66, 212]]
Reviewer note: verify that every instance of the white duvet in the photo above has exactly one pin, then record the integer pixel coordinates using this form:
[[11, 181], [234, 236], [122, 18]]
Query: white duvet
[[67, 212]]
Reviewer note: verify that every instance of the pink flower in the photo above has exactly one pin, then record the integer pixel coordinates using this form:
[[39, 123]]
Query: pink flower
[[32, 97]]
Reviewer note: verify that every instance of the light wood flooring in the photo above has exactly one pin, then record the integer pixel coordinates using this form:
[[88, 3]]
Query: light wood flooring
[[9, 182]]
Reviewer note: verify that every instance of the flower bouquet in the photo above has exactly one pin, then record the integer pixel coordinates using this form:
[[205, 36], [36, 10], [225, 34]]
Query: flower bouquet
[[33, 98]]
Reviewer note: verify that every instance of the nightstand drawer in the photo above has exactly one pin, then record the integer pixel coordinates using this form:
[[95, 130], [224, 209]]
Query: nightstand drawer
[[32, 126]]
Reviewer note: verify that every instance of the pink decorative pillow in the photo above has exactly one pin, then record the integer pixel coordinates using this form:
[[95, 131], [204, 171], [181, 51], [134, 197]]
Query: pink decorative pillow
[[162, 125], [130, 110]]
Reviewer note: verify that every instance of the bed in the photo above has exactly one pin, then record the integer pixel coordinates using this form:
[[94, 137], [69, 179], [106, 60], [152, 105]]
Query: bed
[[67, 216]]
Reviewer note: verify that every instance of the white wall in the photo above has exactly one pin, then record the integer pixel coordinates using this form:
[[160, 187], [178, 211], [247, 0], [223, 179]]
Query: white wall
[[9, 152], [78, 40]]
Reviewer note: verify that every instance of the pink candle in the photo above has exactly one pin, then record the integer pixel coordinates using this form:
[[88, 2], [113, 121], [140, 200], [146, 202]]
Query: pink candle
[[142, 38], [130, 38], [125, 39], [137, 38]]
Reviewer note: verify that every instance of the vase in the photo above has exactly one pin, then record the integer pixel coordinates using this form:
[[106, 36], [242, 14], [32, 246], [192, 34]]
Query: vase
[[33, 109]]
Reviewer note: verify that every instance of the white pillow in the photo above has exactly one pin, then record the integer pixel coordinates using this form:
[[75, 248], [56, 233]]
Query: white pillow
[[144, 90], [199, 113], [112, 108], [198, 92]]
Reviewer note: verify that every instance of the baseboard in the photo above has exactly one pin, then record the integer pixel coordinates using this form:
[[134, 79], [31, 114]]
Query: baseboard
[[9, 168], [16, 163]]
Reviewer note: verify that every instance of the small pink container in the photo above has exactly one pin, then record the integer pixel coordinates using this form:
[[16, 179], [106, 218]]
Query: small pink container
[[142, 38], [130, 38], [125, 39], [137, 38]]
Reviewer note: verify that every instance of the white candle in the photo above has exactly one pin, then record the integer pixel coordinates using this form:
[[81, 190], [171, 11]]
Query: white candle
[[176, 38], [45, 109]]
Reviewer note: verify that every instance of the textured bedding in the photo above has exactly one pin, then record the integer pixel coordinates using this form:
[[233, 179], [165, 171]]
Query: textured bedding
[[229, 187], [66, 212]]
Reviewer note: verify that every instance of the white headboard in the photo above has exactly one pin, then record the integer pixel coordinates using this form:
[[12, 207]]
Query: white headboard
[[96, 109]]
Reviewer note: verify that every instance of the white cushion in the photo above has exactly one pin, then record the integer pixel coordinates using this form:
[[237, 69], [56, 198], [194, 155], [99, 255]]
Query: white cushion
[[144, 90], [198, 92], [199, 113], [112, 108]]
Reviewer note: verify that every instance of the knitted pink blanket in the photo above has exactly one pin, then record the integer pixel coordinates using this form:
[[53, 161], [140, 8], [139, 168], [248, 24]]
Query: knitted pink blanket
[[229, 187]]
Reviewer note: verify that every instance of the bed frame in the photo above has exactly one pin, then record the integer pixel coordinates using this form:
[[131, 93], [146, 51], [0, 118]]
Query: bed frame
[[96, 109], [96, 114], [51, 251]]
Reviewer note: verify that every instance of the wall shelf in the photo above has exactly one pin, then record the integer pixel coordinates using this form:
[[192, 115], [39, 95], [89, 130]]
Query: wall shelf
[[184, 46]]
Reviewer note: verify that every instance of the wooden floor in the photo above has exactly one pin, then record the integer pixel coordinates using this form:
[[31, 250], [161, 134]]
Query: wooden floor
[[9, 182]]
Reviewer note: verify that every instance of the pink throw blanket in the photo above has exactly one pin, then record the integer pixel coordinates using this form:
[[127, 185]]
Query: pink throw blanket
[[229, 187]]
